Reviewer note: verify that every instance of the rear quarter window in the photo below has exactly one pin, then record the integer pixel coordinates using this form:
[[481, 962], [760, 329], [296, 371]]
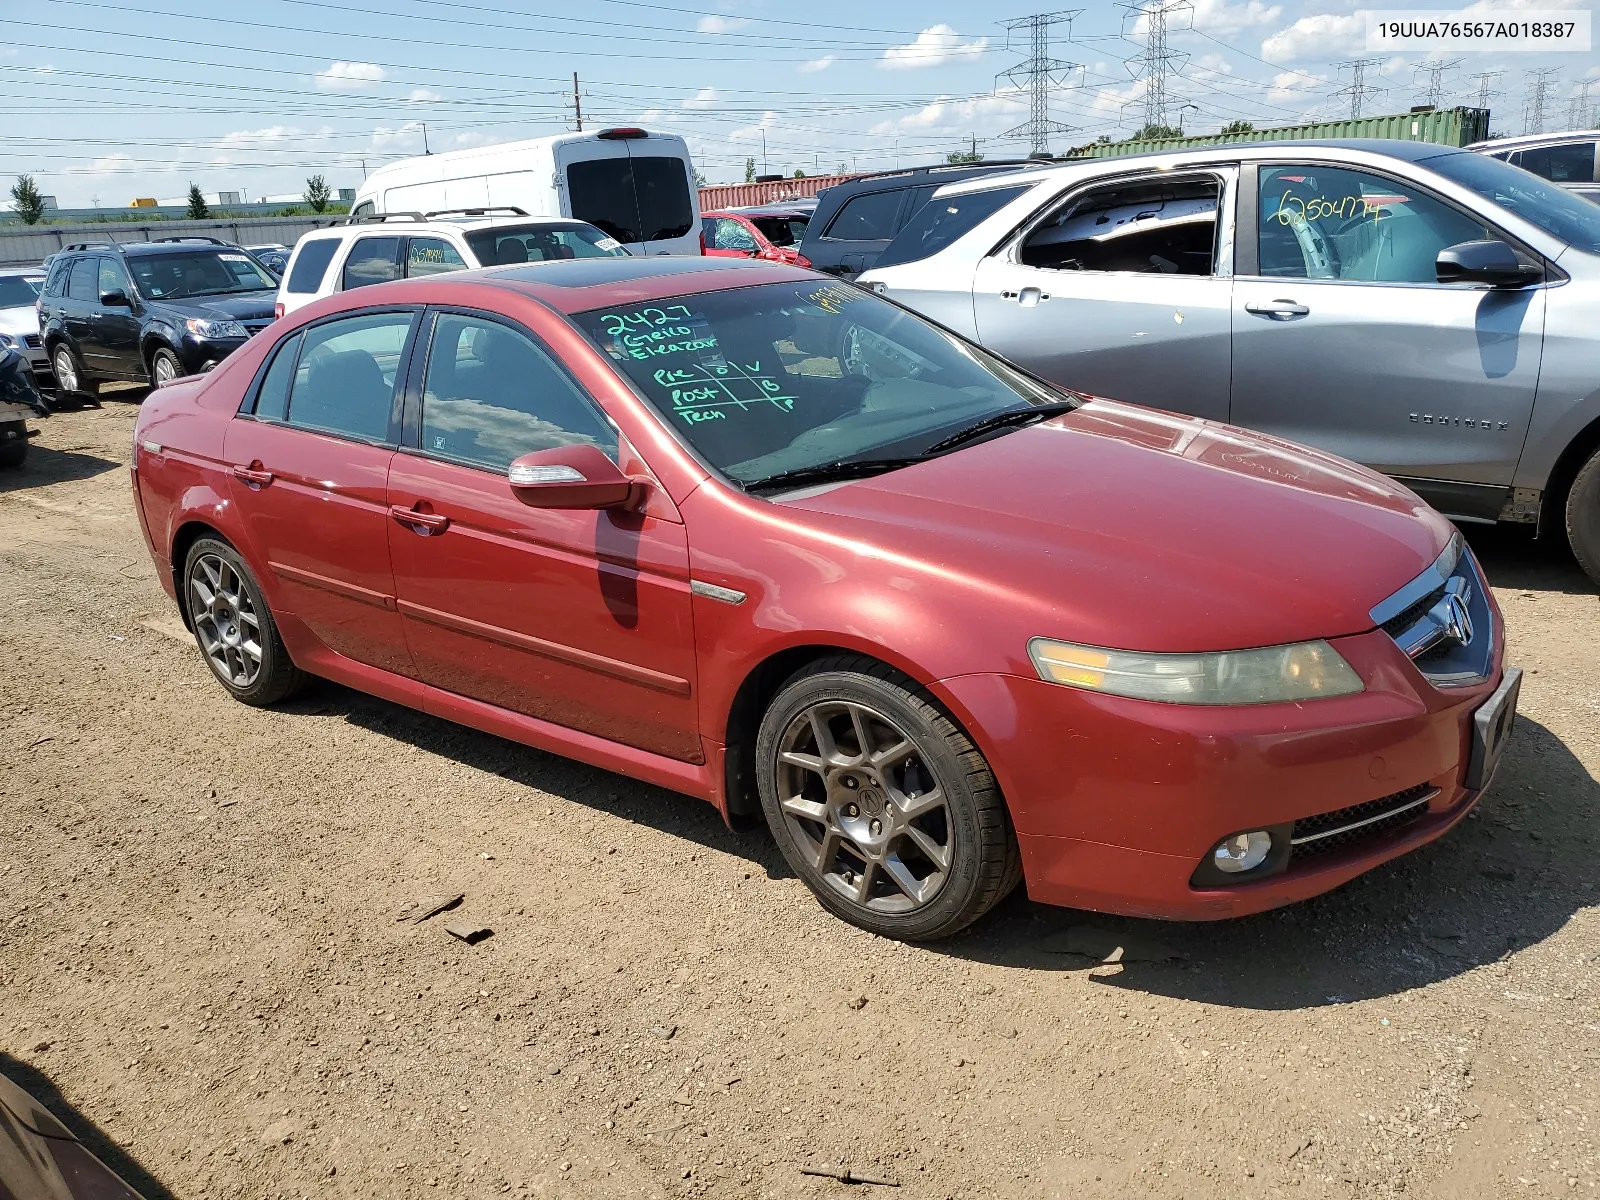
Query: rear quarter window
[[869, 217], [311, 265]]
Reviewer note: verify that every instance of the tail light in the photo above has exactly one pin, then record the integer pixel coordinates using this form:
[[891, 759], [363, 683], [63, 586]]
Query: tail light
[[702, 241], [277, 309]]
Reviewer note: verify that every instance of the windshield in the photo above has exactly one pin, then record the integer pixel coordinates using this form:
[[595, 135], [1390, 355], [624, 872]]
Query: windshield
[[19, 290], [541, 243], [187, 273], [1552, 208], [782, 377], [781, 231]]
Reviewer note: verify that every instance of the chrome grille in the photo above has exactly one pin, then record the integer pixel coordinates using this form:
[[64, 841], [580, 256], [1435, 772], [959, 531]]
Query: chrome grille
[[1442, 620], [1330, 832]]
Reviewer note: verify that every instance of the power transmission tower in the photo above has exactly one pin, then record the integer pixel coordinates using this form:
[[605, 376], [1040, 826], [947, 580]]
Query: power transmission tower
[[1538, 97], [1578, 110], [1157, 62], [1433, 93], [1359, 89], [1037, 74], [1486, 92]]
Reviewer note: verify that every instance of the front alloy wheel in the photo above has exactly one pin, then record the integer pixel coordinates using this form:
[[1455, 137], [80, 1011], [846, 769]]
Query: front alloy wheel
[[165, 367], [881, 803]]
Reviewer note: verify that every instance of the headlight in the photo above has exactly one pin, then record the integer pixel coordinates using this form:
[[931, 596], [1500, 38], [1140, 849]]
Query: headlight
[[1304, 671], [5, 341], [215, 329]]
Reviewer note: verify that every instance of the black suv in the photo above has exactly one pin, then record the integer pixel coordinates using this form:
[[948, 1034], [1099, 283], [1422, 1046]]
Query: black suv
[[149, 312], [856, 219]]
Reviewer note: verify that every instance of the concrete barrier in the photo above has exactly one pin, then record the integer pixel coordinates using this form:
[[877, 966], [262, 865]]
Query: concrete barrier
[[27, 245]]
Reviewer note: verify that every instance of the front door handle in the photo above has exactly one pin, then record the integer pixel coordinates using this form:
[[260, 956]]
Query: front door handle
[[425, 523], [1277, 308], [253, 475]]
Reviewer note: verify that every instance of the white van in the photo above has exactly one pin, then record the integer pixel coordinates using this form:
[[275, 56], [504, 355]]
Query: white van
[[635, 185]]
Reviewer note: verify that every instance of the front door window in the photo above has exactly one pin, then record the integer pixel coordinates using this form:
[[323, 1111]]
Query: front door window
[[1159, 226]]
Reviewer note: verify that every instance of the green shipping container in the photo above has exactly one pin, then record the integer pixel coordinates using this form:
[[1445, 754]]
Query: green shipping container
[[1444, 127]]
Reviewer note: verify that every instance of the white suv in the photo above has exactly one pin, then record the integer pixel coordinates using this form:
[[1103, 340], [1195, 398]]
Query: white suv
[[376, 249]]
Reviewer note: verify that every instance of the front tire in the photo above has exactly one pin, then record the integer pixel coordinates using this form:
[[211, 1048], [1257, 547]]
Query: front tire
[[1583, 517], [165, 366], [881, 804], [233, 626]]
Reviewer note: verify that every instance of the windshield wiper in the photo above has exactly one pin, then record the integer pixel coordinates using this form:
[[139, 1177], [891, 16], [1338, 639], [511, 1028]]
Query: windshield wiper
[[999, 420], [831, 472]]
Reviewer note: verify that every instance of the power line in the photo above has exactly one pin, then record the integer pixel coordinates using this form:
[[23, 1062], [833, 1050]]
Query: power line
[[1539, 82], [1486, 91], [1433, 93], [1157, 61], [1038, 74], [1359, 89]]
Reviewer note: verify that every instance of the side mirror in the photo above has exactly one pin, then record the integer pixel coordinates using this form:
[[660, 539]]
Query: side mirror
[[572, 477], [116, 299], [1490, 262]]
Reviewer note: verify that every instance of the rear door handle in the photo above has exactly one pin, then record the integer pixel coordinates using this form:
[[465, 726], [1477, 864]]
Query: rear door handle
[[430, 521], [1277, 308], [253, 476]]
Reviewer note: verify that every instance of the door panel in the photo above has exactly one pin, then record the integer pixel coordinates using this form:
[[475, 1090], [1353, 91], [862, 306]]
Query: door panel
[[117, 329], [80, 307], [1119, 313]]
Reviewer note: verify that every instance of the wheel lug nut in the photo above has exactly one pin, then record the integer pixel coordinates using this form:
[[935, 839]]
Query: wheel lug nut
[[851, 782], [850, 810]]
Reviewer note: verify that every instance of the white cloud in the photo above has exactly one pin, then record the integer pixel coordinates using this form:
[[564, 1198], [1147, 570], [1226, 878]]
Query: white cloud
[[423, 95], [819, 64], [1219, 18], [711, 23], [933, 47], [405, 138], [704, 98], [1320, 36], [349, 76], [109, 165], [751, 133], [1290, 88], [947, 115]]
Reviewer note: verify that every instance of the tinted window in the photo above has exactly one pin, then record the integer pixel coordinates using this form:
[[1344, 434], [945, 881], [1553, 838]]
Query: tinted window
[[541, 243], [666, 209], [56, 283], [312, 264], [601, 191], [1572, 163], [272, 401], [785, 376], [182, 274], [431, 256], [345, 382], [18, 290], [491, 395], [781, 231], [1319, 222], [85, 275], [730, 235], [1164, 227], [865, 218], [941, 222], [1554, 209], [112, 277], [372, 260]]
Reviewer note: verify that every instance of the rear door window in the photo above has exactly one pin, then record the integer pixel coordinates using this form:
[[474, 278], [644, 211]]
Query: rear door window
[[601, 191], [1152, 226], [431, 256], [272, 401], [1569, 163], [372, 260], [345, 380], [85, 276], [665, 208], [311, 265], [869, 217], [940, 222]]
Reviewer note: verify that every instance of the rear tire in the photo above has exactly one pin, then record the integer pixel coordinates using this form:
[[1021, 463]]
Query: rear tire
[[1583, 517], [881, 804], [234, 628], [72, 381]]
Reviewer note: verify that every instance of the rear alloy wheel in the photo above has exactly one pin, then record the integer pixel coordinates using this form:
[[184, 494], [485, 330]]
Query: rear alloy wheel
[[881, 804], [165, 366], [71, 383], [233, 626], [1583, 517]]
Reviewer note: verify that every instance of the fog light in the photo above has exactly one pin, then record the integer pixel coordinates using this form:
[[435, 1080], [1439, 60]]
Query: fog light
[[1243, 852]]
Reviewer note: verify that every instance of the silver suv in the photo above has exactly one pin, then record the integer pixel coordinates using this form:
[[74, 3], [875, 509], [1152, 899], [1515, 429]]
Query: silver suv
[[1569, 159], [1427, 311]]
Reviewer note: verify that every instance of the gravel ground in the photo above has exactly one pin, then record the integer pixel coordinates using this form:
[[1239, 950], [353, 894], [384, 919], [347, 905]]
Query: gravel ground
[[202, 970]]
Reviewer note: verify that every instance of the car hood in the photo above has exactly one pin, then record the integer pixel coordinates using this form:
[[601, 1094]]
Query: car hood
[[24, 318], [242, 306], [1143, 530]]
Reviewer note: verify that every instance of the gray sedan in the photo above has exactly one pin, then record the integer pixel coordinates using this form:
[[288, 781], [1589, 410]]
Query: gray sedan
[[1430, 312], [19, 319]]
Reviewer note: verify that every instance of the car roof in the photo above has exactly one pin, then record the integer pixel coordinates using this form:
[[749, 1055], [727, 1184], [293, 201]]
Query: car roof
[[580, 284], [437, 224], [1536, 139]]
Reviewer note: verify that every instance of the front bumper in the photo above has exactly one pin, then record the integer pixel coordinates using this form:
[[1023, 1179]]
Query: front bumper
[[1117, 802], [203, 354]]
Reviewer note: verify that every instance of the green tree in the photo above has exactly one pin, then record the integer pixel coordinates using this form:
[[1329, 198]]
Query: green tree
[[30, 204], [1156, 133], [842, 169], [799, 174], [317, 193], [699, 179], [749, 170], [958, 157], [198, 209], [1237, 127]]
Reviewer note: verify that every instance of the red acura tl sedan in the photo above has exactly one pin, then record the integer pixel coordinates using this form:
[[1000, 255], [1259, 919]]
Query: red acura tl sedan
[[758, 536]]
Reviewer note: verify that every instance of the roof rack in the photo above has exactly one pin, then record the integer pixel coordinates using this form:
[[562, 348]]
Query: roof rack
[[380, 218], [194, 237], [510, 210], [89, 246]]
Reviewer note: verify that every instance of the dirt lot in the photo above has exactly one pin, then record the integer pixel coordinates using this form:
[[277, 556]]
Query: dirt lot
[[202, 970]]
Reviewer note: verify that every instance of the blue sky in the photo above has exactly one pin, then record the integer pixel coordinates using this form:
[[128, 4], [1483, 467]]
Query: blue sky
[[107, 100]]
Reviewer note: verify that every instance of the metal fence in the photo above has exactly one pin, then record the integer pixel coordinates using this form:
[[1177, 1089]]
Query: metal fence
[[28, 245], [773, 191]]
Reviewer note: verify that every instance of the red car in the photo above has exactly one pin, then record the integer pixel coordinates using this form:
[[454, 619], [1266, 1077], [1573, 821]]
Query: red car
[[772, 234], [746, 532]]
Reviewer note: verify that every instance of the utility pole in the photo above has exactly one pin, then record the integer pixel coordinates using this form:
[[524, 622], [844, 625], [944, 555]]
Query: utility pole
[[363, 170], [577, 102], [1486, 92], [1359, 90], [1538, 96], [765, 170], [1037, 74], [1433, 92], [425, 149], [1157, 62]]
